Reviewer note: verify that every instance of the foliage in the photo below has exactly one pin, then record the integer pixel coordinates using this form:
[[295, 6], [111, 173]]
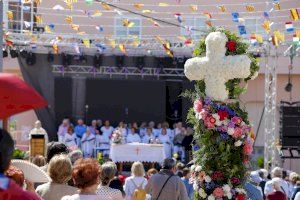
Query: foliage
[[18, 154], [260, 162]]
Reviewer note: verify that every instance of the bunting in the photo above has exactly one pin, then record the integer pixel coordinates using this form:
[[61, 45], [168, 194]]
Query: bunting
[[289, 27], [294, 14], [122, 48], [222, 8], [250, 8]]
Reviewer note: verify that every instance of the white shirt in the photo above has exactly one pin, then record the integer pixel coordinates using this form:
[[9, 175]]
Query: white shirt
[[269, 187], [133, 138], [107, 131], [82, 197], [129, 186], [108, 193], [297, 197], [147, 138]]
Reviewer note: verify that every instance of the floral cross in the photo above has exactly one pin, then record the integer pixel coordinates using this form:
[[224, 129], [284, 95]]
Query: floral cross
[[217, 68]]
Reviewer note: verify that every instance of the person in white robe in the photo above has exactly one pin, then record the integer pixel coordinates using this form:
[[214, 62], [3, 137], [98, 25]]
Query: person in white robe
[[164, 139], [70, 139], [157, 130], [107, 130], [102, 143], [122, 129], [133, 136], [63, 129], [143, 129], [38, 130], [87, 144], [149, 137]]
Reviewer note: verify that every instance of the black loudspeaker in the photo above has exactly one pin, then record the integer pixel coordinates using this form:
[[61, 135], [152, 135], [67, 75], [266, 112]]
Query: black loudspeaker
[[290, 124]]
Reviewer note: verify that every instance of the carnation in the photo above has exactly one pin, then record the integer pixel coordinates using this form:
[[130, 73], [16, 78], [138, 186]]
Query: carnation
[[235, 181], [202, 193], [193, 167], [218, 192], [198, 106], [230, 131], [226, 188], [207, 179], [236, 120], [238, 143], [198, 169], [247, 148], [238, 132], [195, 186]]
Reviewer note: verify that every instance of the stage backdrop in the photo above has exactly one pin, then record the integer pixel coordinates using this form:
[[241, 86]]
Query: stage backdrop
[[126, 100]]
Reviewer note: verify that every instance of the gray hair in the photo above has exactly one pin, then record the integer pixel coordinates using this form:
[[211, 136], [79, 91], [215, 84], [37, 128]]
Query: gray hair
[[168, 163], [108, 172], [277, 172]]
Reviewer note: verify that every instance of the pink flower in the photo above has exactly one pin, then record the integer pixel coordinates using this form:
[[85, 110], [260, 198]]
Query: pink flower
[[198, 106], [235, 180], [247, 148], [237, 120], [218, 192], [238, 132], [209, 122]]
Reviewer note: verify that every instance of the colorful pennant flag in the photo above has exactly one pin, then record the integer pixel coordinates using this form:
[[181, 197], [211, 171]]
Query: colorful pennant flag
[[259, 38], [194, 8], [250, 8], [48, 29], [86, 43], [89, 2], [113, 43], [208, 23], [207, 15], [105, 6], [38, 19], [294, 14], [235, 17], [38, 2], [167, 47], [55, 48], [69, 19], [266, 25], [275, 40], [295, 38], [178, 17], [138, 5], [242, 30], [128, 23], [277, 6], [289, 27], [266, 15], [147, 11], [253, 39], [75, 27], [155, 23], [280, 36], [122, 48], [97, 13], [27, 24], [298, 33], [222, 8], [99, 28]]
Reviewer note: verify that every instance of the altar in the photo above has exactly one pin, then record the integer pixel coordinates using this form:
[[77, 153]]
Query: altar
[[132, 152]]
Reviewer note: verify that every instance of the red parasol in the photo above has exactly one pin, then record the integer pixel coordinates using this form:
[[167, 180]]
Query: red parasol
[[17, 96]]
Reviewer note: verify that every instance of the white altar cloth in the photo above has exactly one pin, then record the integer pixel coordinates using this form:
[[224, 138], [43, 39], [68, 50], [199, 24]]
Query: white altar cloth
[[133, 152]]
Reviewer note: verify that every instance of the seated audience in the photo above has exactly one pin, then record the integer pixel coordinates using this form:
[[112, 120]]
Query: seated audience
[[70, 139], [252, 187], [75, 155], [86, 176], [123, 129], [16, 175], [117, 183], [149, 137], [59, 170], [133, 136], [165, 184], [278, 193], [87, 144], [135, 181], [293, 178], [143, 129], [164, 139], [186, 181], [9, 190], [107, 174], [39, 161]]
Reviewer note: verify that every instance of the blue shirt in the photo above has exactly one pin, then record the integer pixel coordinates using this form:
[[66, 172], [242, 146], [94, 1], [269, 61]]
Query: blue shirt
[[80, 130], [252, 192], [189, 187]]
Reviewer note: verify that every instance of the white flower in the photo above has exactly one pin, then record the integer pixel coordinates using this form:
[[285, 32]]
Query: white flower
[[207, 179], [217, 118], [229, 195], [202, 193], [211, 197], [216, 68], [226, 188], [198, 169], [195, 186], [230, 131], [225, 122], [254, 76], [238, 143], [193, 168], [240, 190]]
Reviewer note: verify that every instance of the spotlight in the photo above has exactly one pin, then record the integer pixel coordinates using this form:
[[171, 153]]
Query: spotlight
[[120, 61], [50, 57], [97, 61], [66, 60], [31, 58], [83, 59], [14, 53], [288, 87], [5, 53], [140, 62]]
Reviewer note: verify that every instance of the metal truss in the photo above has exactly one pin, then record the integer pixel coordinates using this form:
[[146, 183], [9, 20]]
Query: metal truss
[[126, 71]]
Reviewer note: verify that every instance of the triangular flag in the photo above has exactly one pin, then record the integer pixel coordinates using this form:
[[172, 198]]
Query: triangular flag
[[208, 23], [295, 38], [289, 27], [113, 43], [27, 24], [128, 23], [38, 2], [275, 40], [294, 14], [86, 43], [235, 16], [242, 30], [194, 8], [154, 22], [97, 13], [105, 6], [259, 38], [298, 33], [277, 6], [47, 29], [99, 28], [207, 15], [55, 48], [222, 8], [10, 15], [122, 48], [75, 27], [69, 19], [178, 17], [253, 39], [147, 11], [138, 5], [280, 36], [266, 26]]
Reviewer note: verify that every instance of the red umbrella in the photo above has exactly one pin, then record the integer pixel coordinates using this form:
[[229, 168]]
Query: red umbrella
[[17, 96]]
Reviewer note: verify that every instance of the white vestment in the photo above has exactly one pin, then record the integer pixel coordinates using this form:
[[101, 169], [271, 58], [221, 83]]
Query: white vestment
[[87, 145], [147, 138], [133, 138], [40, 131], [107, 131], [70, 140], [103, 143], [165, 140]]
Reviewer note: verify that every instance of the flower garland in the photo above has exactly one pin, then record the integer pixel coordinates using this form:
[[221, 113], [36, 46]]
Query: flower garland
[[224, 134]]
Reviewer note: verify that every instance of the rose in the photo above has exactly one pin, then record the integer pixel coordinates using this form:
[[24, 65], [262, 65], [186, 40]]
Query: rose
[[235, 180], [240, 197], [238, 132], [209, 122], [218, 192], [236, 120], [223, 114], [247, 149], [231, 46], [198, 106]]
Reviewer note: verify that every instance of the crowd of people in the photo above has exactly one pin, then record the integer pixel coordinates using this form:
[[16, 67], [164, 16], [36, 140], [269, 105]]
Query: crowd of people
[[74, 177], [98, 136]]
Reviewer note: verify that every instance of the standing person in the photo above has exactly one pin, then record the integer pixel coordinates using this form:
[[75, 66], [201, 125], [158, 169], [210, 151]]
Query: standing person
[[87, 144], [187, 144], [278, 193], [60, 171], [102, 142], [93, 128], [151, 172], [86, 176], [54, 148], [122, 129], [166, 185], [186, 181], [178, 128], [136, 181], [107, 130], [177, 141], [133, 136], [276, 173], [70, 139], [63, 129], [9, 190], [252, 187], [38, 130], [149, 137], [170, 133], [164, 139], [80, 129], [107, 174]]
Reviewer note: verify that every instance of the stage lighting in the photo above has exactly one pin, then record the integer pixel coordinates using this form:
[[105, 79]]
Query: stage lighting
[[140, 62], [31, 58], [66, 60], [50, 57], [288, 87], [83, 59], [5, 53], [120, 61], [14, 53], [97, 62]]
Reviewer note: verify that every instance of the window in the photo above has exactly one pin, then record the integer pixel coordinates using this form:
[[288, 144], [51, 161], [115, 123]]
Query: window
[[196, 23], [123, 31]]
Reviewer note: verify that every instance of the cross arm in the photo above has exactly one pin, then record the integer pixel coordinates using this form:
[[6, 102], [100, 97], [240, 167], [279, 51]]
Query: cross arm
[[237, 67], [195, 68]]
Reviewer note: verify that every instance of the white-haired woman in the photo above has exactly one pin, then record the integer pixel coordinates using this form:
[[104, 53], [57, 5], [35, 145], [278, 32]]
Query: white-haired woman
[[136, 180], [278, 193]]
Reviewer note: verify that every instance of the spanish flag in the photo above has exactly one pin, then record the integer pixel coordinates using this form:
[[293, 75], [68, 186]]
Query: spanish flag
[[277, 6], [250, 8], [294, 14]]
